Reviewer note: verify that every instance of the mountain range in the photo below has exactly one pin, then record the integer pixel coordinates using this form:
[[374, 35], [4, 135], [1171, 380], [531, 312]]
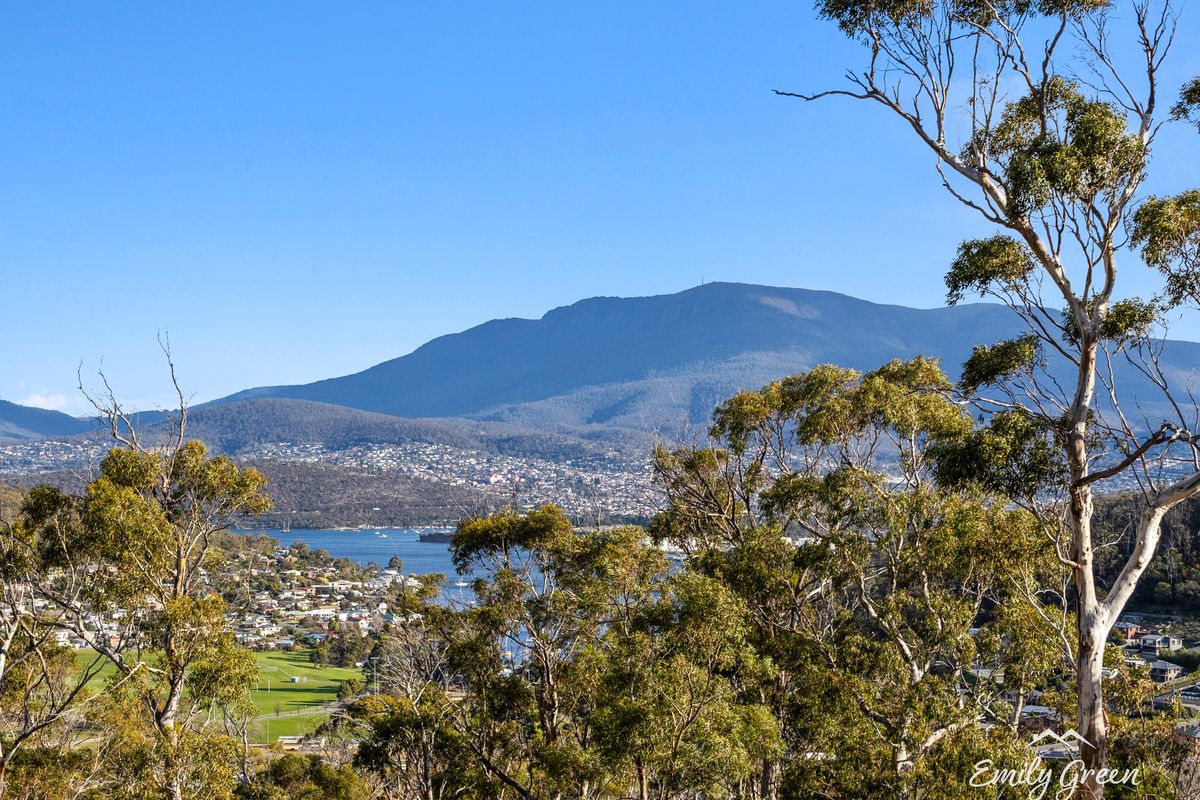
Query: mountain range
[[602, 369], [18, 423], [647, 363]]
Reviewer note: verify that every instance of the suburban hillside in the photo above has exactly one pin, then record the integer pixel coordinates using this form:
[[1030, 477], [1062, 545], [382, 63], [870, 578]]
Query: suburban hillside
[[241, 426]]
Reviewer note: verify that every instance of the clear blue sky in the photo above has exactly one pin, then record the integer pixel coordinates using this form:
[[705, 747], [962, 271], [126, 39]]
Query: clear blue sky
[[300, 190]]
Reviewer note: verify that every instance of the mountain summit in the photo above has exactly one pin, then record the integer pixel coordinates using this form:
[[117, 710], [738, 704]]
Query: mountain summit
[[655, 362]]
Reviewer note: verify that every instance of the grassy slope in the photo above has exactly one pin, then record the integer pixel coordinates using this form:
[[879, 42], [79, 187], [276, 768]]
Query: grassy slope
[[268, 729]]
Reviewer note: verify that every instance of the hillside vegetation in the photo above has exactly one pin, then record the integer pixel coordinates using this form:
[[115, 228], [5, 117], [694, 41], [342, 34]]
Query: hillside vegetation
[[10, 500]]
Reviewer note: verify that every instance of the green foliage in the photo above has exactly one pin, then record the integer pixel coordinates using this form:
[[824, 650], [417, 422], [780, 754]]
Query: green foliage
[[1000, 263], [1012, 455], [1086, 153], [304, 777], [147, 525], [896, 572], [138, 764], [1172, 579], [1188, 659], [1188, 107], [825, 409], [854, 17], [1148, 742], [879, 18], [49, 773], [349, 688], [1167, 229], [123, 524], [1060, 168], [223, 673], [1129, 320], [411, 745], [946, 773], [477, 541], [344, 647], [319, 655], [40, 536], [584, 664], [217, 485], [909, 398], [1124, 322], [1000, 362], [861, 617]]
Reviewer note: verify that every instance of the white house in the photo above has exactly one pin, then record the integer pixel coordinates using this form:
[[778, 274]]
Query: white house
[[1159, 643]]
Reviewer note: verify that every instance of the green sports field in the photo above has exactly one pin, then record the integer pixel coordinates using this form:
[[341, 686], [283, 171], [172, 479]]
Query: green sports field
[[315, 687], [268, 729], [293, 696]]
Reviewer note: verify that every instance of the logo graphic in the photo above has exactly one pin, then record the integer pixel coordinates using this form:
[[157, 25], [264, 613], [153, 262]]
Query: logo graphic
[[1038, 780], [1069, 738]]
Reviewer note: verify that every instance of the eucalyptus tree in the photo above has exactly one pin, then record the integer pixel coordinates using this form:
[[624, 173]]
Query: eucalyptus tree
[[1188, 107], [670, 709], [295, 776], [140, 551], [44, 691], [584, 669], [880, 599], [406, 735], [1040, 118], [546, 597]]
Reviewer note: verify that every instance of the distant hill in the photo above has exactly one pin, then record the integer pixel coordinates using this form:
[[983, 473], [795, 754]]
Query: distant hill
[[657, 363], [19, 423], [319, 496], [239, 426]]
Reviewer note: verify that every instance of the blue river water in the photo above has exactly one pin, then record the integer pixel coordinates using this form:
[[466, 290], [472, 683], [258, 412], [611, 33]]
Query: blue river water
[[377, 544]]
